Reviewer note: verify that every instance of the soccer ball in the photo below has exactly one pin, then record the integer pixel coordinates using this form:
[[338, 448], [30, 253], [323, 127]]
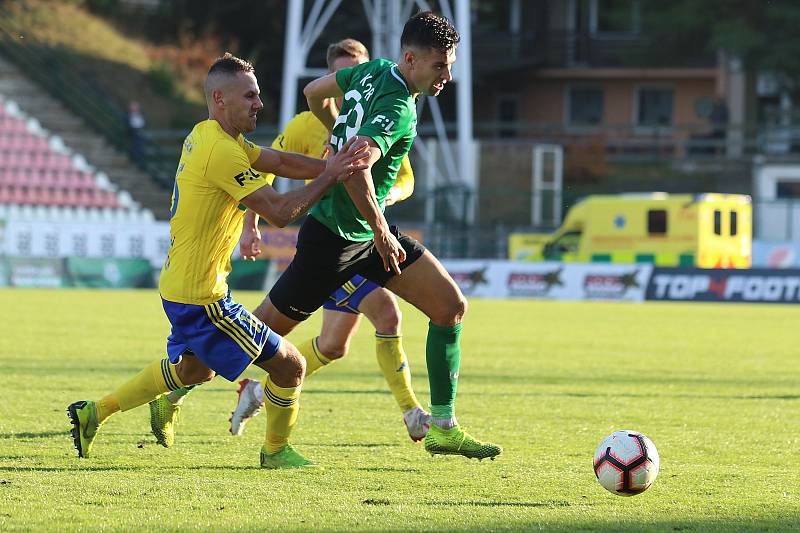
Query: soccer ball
[[626, 463]]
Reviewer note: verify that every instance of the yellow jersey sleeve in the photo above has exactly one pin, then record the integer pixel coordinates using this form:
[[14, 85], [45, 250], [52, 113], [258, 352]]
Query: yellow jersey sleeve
[[251, 149], [405, 179], [229, 169]]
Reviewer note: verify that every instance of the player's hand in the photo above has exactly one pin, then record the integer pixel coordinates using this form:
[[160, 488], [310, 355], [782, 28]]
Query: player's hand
[[250, 244], [351, 158], [391, 252]]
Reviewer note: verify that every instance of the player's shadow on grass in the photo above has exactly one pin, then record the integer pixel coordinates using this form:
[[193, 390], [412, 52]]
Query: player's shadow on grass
[[650, 395], [382, 392], [76, 468], [551, 503], [389, 469], [351, 445], [32, 435], [125, 468]]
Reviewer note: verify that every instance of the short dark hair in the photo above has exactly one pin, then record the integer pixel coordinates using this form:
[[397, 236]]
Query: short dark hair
[[346, 48], [230, 64], [427, 29]]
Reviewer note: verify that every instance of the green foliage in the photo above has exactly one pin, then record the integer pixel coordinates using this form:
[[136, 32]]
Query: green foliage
[[104, 7], [161, 79], [762, 34], [714, 386]]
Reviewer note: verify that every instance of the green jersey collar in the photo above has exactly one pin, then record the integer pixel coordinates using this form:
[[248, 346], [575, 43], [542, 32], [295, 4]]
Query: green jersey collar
[[399, 77]]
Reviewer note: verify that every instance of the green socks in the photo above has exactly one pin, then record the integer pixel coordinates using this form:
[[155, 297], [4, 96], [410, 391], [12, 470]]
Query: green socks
[[443, 355]]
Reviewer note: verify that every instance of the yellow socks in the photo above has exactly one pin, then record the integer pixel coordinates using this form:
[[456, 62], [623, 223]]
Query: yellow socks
[[106, 406], [314, 358], [154, 379], [394, 365], [281, 405]]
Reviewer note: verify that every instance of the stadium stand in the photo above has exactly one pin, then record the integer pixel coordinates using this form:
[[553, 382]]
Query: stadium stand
[[80, 168], [54, 204], [38, 170]]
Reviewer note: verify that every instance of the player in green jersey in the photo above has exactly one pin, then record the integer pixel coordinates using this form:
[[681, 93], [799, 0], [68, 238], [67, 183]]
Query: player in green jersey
[[347, 233]]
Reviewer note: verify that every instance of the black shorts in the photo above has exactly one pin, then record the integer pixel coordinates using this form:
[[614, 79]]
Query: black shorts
[[324, 261]]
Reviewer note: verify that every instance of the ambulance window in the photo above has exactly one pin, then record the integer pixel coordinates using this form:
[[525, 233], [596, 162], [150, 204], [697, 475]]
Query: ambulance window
[[568, 243], [657, 221], [734, 228], [717, 222]]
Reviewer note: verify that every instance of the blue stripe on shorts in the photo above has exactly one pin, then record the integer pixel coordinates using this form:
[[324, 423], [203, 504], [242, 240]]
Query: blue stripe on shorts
[[348, 297], [223, 335]]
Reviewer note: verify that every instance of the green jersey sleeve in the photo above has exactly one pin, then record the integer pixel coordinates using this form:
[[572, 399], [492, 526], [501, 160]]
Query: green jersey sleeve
[[390, 121], [344, 76]]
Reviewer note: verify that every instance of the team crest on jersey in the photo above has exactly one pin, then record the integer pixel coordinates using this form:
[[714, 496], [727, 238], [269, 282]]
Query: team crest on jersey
[[188, 144]]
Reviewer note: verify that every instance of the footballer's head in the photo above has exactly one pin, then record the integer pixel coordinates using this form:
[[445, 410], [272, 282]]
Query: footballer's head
[[428, 47], [232, 94], [346, 53]]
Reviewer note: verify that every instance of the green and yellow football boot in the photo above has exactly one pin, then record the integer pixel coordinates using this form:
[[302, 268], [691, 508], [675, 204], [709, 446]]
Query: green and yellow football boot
[[163, 420], [456, 441], [287, 457], [83, 415]]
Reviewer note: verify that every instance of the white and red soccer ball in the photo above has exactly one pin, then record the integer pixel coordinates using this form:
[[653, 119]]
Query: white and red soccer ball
[[626, 463]]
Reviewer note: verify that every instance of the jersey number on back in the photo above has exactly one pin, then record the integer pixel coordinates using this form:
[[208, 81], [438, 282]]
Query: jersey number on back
[[350, 130]]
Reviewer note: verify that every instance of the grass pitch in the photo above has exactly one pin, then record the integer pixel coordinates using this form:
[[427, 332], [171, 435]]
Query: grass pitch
[[716, 387]]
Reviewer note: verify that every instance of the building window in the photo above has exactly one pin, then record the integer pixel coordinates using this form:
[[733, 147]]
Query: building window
[[657, 222], [734, 224], [585, 106], [788, 189], [717, 222], [654, 106], [507, 115]]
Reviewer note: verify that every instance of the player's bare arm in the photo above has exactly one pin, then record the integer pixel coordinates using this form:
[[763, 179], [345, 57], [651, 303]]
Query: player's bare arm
[[362, 192], [288, 164], [281, 209], [250, 240], [318, 93]]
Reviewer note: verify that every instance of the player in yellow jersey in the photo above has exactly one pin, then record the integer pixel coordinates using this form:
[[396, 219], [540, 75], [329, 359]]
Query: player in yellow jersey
[[219, 174], [342, 312]]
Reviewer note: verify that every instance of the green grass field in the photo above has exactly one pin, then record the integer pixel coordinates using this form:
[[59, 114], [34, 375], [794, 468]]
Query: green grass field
[[716, 387]]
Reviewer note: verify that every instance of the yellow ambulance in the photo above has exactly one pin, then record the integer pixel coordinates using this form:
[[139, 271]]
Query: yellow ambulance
[[708, 230]]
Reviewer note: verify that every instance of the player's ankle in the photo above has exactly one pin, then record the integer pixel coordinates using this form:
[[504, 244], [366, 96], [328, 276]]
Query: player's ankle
[[445, 423]]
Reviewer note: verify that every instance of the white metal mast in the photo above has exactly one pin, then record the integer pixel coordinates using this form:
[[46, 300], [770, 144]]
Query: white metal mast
[[386, 19]]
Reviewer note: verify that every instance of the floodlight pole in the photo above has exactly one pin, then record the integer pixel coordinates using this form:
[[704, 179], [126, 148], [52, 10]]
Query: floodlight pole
[[386, 18]]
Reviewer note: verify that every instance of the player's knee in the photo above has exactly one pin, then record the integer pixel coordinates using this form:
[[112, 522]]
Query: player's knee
[[458, 308], [452, 311], [384, 313], [286, 368], [387, 320], [194, 374], [333, 348], [296, 366]]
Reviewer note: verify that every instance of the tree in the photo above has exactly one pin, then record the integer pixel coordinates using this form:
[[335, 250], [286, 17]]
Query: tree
[[762, 34]]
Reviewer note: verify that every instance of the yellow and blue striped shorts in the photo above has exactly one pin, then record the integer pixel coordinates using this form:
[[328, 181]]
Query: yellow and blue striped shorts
[[223, 334]]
